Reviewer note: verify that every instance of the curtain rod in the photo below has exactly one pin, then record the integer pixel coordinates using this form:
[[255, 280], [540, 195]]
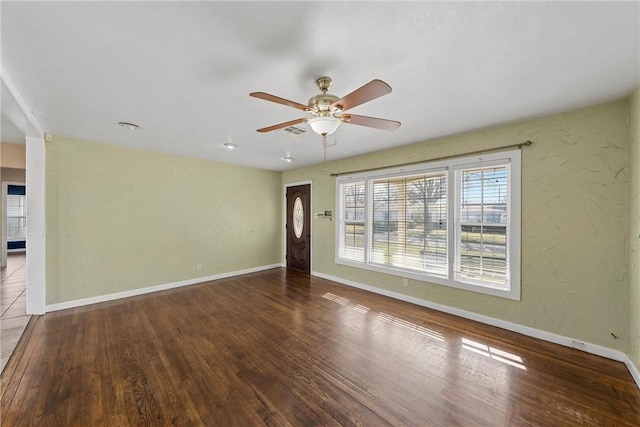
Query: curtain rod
[[488, 150]]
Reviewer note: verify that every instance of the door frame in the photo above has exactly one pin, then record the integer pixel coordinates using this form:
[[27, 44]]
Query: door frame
[[284, 223], [36, 264]]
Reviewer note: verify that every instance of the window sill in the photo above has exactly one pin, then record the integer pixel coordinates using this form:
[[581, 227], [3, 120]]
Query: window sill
[[512, 294]]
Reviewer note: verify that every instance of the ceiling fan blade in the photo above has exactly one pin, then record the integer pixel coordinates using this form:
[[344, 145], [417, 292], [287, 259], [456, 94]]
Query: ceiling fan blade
[[278, 100], [371, 122], [372, 90], [283, 125]]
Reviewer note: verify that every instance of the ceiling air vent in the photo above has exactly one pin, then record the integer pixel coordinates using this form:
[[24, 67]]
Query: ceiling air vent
[[294, 131]]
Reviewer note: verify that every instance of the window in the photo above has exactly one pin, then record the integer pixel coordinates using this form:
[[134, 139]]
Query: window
[[16, 214], [352, 221], [454, 222], [409, 222], [482, 214]]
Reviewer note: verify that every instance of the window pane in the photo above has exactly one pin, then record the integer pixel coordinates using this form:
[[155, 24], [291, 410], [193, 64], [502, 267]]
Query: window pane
[[482, 232], [16, 205], [409, 218], [483, 253], [352, 222], [16, 217]]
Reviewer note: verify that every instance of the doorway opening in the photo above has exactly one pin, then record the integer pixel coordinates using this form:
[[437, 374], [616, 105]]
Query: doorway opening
[[13, 281]]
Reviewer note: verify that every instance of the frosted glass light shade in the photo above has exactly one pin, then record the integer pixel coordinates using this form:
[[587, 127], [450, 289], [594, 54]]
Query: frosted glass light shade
[[324, 125]]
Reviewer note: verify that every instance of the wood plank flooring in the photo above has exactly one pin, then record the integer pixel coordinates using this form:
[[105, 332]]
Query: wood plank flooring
[[281, 348]]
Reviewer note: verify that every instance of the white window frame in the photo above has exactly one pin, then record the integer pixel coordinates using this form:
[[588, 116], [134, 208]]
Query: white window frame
[[511, 158]]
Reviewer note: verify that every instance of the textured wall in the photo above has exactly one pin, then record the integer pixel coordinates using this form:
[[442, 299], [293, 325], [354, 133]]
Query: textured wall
[[13, 156], [120, 219], [573, 218], [633, 296], [15, 175]]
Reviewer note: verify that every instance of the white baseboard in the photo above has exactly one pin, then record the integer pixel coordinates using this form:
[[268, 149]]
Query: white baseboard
[[633, 369], [156, 288], [598, 350]]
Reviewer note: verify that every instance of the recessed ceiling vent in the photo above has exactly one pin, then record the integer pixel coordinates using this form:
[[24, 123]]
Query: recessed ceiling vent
[[294, 131]]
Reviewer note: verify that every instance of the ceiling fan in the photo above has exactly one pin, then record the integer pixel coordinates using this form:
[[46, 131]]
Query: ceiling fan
[[328, 112]]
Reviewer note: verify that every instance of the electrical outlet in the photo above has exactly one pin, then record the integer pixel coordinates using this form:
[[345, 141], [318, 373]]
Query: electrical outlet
[[199, 267], [405, 282]]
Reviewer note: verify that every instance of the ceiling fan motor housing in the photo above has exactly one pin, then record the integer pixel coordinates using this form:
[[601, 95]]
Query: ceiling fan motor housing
[[321, 103]]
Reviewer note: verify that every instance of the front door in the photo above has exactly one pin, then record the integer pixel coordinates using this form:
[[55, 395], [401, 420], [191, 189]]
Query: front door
[[299, 228]]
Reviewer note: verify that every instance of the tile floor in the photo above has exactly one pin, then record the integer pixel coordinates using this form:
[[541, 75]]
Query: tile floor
[[13, 320]]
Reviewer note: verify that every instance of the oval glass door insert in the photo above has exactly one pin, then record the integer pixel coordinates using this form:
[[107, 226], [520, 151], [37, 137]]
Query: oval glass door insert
[[298, 217]]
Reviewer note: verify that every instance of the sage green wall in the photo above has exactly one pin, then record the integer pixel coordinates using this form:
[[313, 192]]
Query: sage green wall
[[120, 219], [573, 222], [633, 296]]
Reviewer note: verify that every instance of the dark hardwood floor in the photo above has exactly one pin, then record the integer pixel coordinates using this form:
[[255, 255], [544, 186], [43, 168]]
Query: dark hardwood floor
[[282, 348]]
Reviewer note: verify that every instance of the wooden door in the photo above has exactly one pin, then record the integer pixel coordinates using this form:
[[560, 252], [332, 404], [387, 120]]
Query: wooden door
[[299, 227]]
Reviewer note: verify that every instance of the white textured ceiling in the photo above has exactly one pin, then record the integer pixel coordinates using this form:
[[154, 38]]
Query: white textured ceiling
[[183, 70], [11, 133]]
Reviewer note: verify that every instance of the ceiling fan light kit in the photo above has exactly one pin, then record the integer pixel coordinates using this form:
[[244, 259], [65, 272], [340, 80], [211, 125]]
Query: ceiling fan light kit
[[327, 110], [324, 125]]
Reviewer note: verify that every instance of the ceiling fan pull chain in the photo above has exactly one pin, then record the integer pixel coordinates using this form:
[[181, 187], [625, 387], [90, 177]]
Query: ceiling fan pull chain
[[324, 147]]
